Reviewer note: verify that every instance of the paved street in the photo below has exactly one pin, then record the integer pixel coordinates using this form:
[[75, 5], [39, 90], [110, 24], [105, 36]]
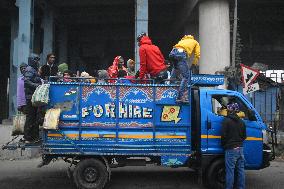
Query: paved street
[[23, 174]]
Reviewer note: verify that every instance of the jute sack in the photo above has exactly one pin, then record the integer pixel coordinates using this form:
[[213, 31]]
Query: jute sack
[[41, 95], [51, 119], [19, 121]]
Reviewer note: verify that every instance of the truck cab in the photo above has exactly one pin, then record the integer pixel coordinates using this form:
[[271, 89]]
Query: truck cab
[[213, 104]]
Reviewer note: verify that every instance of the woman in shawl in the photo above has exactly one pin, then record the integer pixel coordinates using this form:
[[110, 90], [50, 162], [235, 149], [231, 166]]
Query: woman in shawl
[[118, 64]]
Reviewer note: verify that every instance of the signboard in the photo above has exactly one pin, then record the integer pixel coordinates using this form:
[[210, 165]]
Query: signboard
[[249, 75]]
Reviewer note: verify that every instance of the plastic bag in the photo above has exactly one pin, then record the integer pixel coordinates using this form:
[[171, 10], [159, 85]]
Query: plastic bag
[[19, 121], [41, 95], [51, 119]]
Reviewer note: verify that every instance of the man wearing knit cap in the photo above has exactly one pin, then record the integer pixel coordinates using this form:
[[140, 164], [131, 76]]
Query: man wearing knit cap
[[233, 134]]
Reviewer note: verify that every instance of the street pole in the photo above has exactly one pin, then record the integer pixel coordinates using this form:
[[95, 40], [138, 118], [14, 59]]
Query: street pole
[[235, 27]]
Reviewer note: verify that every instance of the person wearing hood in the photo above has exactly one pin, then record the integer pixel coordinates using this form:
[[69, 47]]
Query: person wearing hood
[[118, 64], [21, 99], [179, 56], [62, 68], [31, 81], [233, 134], [130, 67], [152, 61]]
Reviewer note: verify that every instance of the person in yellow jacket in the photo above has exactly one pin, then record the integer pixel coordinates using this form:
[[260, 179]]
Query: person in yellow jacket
[[178, 57]]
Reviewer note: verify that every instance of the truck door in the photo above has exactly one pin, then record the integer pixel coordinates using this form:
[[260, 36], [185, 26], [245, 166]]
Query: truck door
[[214, 112]]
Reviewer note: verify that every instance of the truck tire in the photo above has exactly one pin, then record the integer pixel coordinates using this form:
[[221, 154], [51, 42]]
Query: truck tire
[[215, 177], [90, 174]]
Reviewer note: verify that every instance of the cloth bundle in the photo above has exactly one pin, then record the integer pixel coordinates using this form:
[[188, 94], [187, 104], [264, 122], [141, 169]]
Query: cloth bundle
[[41, 95], [51, 119], [18, 124]]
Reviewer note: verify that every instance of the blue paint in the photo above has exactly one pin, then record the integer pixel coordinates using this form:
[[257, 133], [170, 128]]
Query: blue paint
[[141, 120]]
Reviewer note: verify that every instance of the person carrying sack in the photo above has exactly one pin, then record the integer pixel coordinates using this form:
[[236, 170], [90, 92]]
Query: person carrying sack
[[31, 81]]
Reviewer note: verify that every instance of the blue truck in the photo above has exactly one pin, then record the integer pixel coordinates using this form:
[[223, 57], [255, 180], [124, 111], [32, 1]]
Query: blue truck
[[103, 126]]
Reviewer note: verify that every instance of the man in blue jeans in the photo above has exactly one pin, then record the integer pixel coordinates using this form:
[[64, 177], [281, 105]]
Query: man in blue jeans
[[178, 56], [233, 134]]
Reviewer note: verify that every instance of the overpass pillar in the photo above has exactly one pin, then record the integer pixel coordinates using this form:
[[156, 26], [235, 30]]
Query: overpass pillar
[[48, 32], [141, 25], [214, 35]]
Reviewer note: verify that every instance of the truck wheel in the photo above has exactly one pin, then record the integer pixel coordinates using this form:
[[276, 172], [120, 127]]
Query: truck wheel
[[90, 174], [215, 176]]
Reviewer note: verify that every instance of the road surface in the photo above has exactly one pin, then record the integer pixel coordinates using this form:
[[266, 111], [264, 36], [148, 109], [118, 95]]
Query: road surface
[[24, 174]]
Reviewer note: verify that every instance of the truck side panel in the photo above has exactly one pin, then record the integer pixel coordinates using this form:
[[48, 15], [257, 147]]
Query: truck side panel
[[120, 119]]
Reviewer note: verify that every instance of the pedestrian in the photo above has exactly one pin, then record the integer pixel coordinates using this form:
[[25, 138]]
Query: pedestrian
[[151, 60], [233, 134], [50, 61], [130, 67], [21, 99], [31, 81], [179, 56]]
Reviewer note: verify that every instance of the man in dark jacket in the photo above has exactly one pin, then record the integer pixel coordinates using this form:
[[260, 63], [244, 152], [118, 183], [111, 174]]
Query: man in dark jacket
[[151, 60], [31, 81], [233, 134], [50, 61]]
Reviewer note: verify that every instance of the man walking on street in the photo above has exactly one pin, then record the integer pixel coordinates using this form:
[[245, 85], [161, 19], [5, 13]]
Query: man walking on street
[[233, 134], [151, 60], [179, 56]]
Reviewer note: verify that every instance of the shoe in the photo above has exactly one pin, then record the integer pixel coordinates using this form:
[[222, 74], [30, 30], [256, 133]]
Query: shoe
[[178, 101], [29, 142]]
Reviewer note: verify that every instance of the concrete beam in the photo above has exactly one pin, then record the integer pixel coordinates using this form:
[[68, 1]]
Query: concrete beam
[[141, 24], [48, 30], [214, 35]]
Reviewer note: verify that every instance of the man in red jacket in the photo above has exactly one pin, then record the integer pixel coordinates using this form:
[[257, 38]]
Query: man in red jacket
[[151, 60]]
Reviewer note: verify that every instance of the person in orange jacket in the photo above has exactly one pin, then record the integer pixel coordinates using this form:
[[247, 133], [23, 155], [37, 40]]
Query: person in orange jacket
[[152, 61], [179, 56]]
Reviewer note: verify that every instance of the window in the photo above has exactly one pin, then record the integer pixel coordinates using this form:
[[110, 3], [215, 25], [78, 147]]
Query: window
[[220, 102]]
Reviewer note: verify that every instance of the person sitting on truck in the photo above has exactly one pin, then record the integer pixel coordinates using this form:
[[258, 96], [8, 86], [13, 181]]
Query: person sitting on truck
[[151, 60], [31, 81], [233, 134], [103, 76], [130, 67], [118, 64], [123, 78], [67, 74], [178, 56]]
